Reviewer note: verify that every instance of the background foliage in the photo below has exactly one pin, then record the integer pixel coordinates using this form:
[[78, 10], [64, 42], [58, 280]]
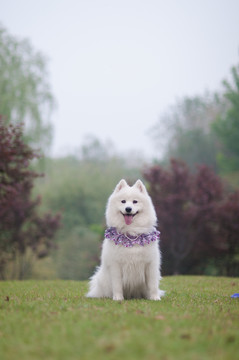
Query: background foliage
[[197, 218], [25, 95], [21, 227], [196, 196]]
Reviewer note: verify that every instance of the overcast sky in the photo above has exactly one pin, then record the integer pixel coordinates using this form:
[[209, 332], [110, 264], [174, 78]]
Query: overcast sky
[[116, 65]]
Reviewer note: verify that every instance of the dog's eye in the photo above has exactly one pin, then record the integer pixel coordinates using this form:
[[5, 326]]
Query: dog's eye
[[123, 201], [135, 202]]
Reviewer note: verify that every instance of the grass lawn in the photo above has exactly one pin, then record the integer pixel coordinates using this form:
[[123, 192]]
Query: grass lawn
[[197, 319]]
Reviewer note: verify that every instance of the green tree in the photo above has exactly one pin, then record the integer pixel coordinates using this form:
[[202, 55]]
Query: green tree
[[196, 147], [226, 126], [25, 95], [184, 131], [93, 150]]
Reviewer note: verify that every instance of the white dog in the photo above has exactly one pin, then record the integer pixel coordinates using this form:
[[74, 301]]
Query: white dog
[[130, 259]]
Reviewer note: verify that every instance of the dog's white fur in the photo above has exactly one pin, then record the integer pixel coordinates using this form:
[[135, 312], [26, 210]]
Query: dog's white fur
[[128, 272]]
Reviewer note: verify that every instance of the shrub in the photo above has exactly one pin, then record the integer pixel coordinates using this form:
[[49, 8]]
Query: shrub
[[198, 219], [20, 225]]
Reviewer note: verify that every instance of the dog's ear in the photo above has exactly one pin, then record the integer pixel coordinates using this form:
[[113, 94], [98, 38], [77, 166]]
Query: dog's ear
[[120, 185], [140, 186]]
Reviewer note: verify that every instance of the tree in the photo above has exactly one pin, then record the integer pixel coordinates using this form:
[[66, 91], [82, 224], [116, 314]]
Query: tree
[[196, 216], [184, 131], [226, 125], [228, 215], [171, 193], [25, 95], [20, 225], [94, 151]]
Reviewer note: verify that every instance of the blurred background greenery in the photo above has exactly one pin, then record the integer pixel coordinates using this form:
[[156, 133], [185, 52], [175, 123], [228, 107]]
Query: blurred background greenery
[[201, 129]]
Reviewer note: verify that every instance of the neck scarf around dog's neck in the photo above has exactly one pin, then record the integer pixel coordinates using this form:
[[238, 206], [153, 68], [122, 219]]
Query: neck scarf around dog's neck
[[128, 240]]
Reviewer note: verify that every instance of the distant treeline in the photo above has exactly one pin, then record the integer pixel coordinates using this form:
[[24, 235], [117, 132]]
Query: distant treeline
[[52, 226]]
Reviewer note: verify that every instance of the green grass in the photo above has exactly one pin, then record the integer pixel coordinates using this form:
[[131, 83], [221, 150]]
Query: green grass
[[197, 319]]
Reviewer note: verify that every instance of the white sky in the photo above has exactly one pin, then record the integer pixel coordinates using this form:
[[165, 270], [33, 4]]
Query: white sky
[[116, 65]]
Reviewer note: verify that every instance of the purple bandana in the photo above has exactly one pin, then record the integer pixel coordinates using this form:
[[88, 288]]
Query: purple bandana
[[129, 241]]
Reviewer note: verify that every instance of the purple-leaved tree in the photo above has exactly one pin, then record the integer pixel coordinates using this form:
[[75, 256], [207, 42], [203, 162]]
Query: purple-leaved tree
[[198, 219], [21, 227]]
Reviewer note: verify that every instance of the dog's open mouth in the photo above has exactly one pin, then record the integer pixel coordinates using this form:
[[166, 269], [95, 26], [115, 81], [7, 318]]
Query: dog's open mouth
[[128, 218]]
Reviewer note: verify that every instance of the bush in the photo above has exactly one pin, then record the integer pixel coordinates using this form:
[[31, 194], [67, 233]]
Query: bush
[[21, 228], [198, 220]]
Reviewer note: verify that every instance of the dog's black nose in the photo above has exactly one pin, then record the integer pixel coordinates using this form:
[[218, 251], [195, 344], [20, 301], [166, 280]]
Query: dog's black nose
[[128, 209]]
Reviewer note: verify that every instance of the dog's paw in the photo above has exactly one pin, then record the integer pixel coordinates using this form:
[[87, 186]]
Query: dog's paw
[[118, 297], [162, 293], [154, 297]]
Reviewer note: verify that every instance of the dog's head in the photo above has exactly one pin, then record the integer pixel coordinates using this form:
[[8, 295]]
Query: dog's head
[[130, 209]]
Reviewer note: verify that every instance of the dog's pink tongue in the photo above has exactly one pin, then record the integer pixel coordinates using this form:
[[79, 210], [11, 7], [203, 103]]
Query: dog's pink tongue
[[128, 219]]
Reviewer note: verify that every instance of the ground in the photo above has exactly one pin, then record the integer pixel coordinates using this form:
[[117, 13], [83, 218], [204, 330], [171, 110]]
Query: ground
[[197, 319]]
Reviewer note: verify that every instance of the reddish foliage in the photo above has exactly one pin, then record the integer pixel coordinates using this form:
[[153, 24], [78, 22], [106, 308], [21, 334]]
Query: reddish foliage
[[228, 218], [20, 225], [196, 216]]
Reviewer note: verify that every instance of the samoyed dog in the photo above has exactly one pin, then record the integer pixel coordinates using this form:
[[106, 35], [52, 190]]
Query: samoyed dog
[[130, 258]]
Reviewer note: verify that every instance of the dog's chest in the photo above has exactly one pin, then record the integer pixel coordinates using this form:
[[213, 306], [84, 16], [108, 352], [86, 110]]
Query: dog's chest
[[133, 257], [136, 254]]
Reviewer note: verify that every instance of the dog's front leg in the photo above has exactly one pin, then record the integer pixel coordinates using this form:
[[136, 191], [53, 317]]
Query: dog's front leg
[[116, 281], [152, 281]]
